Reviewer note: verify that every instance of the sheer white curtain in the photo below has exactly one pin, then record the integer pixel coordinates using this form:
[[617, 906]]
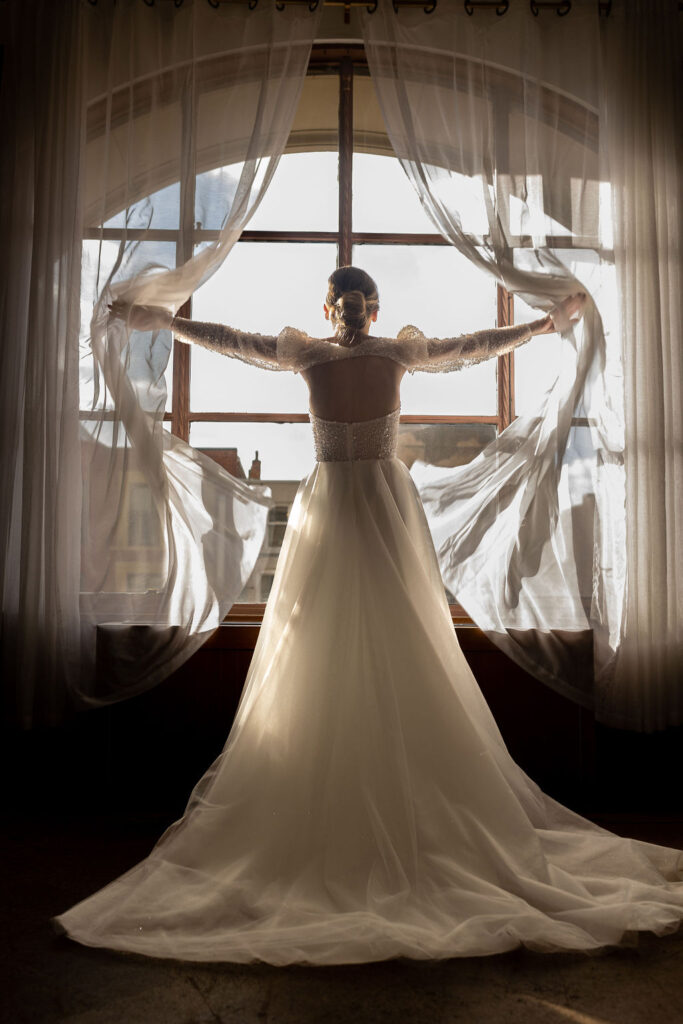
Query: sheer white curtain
[[136, 128], [498, 124]]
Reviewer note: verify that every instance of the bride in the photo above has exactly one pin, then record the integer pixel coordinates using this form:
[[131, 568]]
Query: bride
[[364, 805]]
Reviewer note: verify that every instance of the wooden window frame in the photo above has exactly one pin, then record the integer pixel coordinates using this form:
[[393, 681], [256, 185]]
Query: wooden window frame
[[347, 62]]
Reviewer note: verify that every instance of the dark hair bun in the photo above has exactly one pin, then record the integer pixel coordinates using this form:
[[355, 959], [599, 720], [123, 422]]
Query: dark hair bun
[[352, 299], [351, 310]]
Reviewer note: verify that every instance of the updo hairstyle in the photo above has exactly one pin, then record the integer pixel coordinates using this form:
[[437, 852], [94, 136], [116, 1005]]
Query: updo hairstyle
[[352, 299]]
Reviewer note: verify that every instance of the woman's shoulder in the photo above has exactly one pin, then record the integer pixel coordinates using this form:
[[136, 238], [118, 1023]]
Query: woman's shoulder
[[298, 350]]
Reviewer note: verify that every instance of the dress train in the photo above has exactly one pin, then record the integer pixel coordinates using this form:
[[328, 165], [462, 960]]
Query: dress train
[[364, 805]]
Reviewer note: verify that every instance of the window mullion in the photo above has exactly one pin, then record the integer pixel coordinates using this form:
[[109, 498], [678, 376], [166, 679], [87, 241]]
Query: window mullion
[[345, 160], [180, 410], [506, 366], [180, 420]]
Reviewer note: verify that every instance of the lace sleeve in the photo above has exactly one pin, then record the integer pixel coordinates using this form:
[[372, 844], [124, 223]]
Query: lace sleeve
[[255, 349], [441, 355]]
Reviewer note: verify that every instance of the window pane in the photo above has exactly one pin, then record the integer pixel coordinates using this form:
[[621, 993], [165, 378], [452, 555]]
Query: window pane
[[258, 586], [149, 357], [261, 287], [159, 210], [302, 196], [438, 290], [383, 198], [284, 449], [215, 192], [443, 444]]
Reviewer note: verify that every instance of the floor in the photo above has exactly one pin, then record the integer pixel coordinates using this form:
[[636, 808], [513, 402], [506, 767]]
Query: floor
[[54, 862]]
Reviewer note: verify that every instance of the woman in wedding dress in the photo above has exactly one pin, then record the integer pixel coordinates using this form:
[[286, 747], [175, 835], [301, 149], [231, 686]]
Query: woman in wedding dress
[[364, 805]]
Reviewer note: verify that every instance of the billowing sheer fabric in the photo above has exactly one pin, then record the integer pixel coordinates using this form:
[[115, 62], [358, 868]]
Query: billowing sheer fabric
[[147, 126], [503, 127], [364, 805], [530, 534]]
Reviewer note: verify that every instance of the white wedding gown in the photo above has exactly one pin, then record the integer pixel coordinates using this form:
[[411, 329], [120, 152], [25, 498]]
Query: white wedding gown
[[364, 805]]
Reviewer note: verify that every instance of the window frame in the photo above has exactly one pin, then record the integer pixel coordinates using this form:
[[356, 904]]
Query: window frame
[[347, 62]]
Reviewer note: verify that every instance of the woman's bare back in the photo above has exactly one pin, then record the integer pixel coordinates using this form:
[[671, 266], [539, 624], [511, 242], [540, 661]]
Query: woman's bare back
[[352, 390]]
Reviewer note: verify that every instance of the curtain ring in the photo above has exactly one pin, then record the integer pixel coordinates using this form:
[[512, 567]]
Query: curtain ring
[[502, 6], [372, 7], [429, 7], [562, 7]]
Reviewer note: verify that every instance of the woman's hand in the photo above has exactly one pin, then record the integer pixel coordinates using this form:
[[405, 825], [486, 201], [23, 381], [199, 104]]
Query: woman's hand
[[568, 312], [140, 318]]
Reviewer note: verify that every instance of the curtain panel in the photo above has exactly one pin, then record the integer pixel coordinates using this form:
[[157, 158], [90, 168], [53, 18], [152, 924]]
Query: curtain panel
[[641, 114], [136, 126], [42, 103], [501, 124]]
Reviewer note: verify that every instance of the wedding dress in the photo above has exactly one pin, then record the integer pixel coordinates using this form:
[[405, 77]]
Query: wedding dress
[[364, 805]]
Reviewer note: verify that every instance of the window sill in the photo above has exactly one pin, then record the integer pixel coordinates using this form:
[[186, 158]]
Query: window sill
[[242, 634], [253, 615]]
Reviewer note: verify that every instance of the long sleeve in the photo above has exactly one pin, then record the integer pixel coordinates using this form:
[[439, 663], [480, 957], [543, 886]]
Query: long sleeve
[[255, 349], [441, 355]]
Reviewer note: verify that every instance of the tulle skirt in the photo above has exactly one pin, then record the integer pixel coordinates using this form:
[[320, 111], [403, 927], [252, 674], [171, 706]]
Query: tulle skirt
[[364, 805]]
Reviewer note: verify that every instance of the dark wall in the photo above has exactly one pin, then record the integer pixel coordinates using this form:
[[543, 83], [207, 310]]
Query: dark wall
[[144, 755]]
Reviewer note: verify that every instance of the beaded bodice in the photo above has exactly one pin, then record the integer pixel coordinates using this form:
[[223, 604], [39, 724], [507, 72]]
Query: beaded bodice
[[349, 442]]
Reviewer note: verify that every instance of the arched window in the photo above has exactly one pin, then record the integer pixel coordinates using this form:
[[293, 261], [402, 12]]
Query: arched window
[[339, 196]]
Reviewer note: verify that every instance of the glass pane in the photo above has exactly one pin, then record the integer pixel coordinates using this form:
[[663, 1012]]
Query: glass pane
[[443, 444], [383, 198], [261, 287], [303, 195], [303, 192], [159, 210], [285, 450], [149, 360], [438, 290], [216, 189]]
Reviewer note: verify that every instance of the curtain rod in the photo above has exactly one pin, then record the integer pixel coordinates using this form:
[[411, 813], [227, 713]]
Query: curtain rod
[[501, 7]]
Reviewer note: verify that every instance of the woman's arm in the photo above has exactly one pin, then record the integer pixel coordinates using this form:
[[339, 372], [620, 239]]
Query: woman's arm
[[257, 349], [260, 349], [468, 349]]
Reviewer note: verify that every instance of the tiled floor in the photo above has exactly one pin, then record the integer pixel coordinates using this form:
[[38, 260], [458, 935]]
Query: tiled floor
[[49, 864]]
